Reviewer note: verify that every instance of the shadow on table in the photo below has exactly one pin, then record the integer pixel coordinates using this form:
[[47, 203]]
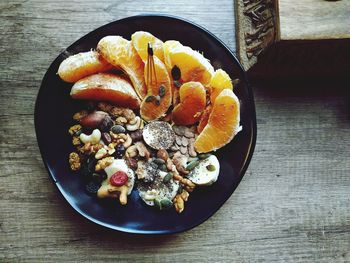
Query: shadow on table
[[332, 92], [86, 231]]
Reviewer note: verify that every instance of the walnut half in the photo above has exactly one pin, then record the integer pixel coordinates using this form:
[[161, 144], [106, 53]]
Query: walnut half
[[74, 161]]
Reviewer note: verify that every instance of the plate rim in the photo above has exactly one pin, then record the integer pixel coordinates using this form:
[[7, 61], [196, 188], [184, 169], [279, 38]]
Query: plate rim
[[242, 171]]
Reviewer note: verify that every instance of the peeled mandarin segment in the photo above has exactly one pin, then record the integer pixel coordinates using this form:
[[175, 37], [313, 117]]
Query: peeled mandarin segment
[[167, 46], [150, 110], [140, 40], [120, 53], [223, 123], [204, 118], [81, 65], [192, 103], [220, 80], [193, 65], [106, 87]]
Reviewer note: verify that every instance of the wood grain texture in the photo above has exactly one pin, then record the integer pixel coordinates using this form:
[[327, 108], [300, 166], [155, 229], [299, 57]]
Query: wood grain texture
[[292, 205], [314, 19]]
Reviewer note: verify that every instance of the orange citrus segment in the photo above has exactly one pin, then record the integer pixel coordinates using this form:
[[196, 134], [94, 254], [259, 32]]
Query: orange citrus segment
[[192, 103], [223, 123], [220, 80], [120, 53], [81, 65], [204, 118], [140, 40], [193, 65], [150, 110], [106, 87]]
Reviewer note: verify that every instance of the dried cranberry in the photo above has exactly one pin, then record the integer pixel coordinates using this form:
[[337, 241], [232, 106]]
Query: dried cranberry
[[119, 178]]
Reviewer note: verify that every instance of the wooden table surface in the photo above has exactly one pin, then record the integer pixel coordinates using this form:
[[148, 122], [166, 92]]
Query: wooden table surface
[[292, 205]]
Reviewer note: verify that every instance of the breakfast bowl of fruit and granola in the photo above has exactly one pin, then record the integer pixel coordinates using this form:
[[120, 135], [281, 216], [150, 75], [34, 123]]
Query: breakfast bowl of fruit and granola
[[146, 125]]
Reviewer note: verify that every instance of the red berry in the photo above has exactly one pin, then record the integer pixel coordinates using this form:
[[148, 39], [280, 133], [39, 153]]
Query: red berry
[[119, 178]]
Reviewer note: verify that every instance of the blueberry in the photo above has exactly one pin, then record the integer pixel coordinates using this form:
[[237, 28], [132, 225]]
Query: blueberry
[[120, 150], [98, 178], [92, 188]]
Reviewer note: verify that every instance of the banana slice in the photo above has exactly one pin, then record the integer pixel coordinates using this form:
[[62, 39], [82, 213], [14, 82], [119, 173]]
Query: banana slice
[[207, 171], [120, 165], [159, 135]]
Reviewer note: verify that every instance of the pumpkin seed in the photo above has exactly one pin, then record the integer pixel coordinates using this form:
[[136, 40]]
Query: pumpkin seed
[[157, 100], [150, 98], [163, 168], [203, 156], [181, 188], [192, 165], [177, 83], [167, 178], [157, 204], [161, 91], [159, 161], [176, 73], [166, 203], [210, 168], [163, 204], [78, 132], [192, 159], [118, 129]]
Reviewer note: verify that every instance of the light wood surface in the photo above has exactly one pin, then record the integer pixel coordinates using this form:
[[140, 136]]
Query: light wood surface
[[292, 205], [314, 19]]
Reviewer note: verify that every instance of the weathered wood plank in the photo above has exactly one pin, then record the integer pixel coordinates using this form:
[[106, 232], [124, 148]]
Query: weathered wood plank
[[313, 19], [292, 205]]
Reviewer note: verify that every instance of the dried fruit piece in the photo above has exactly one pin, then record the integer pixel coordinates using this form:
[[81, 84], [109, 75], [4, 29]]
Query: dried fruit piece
[[119, 178]]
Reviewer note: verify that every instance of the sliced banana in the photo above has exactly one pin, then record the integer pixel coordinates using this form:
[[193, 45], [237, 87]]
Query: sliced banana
[[120, 165], [159, 135], [207, 171]]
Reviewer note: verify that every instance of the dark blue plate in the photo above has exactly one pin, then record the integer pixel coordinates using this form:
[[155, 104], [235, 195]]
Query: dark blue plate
[[53, 117]]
